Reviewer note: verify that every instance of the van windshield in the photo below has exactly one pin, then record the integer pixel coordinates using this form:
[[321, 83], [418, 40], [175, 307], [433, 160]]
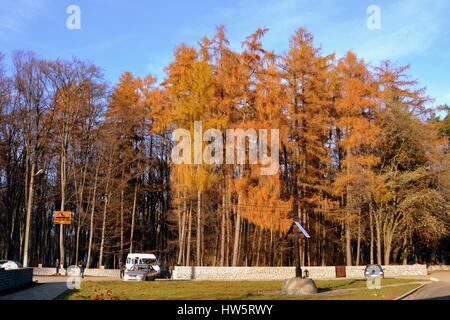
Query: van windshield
[[148, 261]]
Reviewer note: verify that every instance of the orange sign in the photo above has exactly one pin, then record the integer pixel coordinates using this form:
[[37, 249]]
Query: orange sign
[[62, 217]]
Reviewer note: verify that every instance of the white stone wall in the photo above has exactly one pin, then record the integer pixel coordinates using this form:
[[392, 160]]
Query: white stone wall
[[390, 271], [256, 273], [320, 272], [88, 272], [45, 271], [233, 273], [249, 273], [441, 267], [355, 271], [282, 273], [405, 270]]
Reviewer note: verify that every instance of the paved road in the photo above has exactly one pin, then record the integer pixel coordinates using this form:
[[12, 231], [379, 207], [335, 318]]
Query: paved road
[[436, 290], [47, 291], [50, 288]]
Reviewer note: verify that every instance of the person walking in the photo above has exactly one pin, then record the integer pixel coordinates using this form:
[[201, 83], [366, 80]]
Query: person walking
[[82, 268], [122, 268]]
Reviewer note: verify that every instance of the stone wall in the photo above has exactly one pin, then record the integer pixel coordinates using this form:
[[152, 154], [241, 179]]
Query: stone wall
[[255, 273], [88, 272], [233, 273], [10, 279], [405, 270], [282, 273], [319, 272], [441, 267]]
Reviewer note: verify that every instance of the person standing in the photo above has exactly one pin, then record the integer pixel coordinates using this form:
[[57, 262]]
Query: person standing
[[57, 266], [122, 269]]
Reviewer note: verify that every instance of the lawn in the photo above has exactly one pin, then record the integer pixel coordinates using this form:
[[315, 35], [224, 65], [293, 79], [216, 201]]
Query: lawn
[[347, 289]]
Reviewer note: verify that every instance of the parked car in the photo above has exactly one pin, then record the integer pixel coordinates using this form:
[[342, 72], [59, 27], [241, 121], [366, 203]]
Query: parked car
[[141, 267], [10, 265], [373, 270]]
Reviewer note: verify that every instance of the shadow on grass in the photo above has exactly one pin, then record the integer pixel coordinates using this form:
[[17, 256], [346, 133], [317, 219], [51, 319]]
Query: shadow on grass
[[346, 284]]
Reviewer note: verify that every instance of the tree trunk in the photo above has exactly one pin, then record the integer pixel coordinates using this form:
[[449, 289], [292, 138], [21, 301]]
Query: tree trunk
[[323, 247], [348, 244], [105, 206], [222, 231], [227, 255], [236, 235], [63, 202], [259, 247], [91, 226], [28, 216], [387, 252], [199, 228], [133, 214], [405, 250], [121, 224], [188, 249], [77, 241], [79, 201], [388, 248], [378, 231], [182, 233], [371, 237], [358, 243]]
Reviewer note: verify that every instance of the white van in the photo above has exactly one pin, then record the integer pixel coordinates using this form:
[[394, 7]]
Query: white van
[[141, 267]]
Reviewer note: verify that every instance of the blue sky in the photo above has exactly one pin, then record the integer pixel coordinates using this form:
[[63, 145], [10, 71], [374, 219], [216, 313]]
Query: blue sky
[[140, 36]]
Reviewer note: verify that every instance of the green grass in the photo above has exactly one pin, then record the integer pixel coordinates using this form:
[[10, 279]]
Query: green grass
[[236, 290], [385, 293], [172, 290]]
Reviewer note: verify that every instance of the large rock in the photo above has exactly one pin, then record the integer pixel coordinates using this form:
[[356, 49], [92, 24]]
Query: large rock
[[298, 287]]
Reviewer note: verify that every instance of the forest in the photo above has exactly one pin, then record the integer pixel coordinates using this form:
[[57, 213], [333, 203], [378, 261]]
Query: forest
[[364, 160]]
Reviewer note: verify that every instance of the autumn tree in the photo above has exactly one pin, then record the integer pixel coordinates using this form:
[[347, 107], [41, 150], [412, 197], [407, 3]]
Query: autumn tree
[[412, 204], [357, 139], [309, 112]]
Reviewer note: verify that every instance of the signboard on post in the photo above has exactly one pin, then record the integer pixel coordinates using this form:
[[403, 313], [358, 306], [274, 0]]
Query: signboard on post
[[62, 217], [298, 230]]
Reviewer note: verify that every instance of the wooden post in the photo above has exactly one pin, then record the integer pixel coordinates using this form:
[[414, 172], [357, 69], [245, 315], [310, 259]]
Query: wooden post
[[298, 268]]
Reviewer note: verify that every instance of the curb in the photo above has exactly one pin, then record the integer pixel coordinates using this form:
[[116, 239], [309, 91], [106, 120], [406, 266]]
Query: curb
[[402, 297]]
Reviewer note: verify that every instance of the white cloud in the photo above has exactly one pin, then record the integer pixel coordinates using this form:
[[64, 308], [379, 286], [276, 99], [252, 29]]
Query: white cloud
[[407, 28]]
